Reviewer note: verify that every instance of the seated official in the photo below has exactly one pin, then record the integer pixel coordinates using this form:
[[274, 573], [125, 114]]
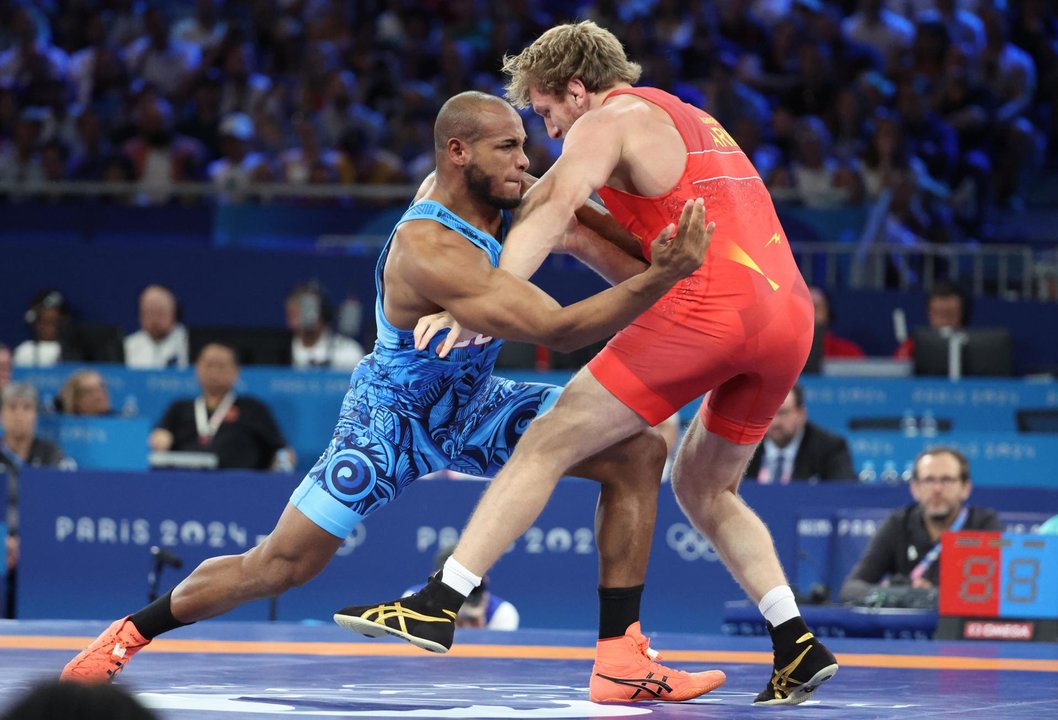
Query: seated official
[[161, 341], [48, 317], [20, 447], [85, 393], [314, 344], [238, 429], [834, 346], [796, 449], [905, 551]]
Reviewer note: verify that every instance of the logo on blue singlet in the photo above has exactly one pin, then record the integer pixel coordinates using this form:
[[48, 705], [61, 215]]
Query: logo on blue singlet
[[350, 475]]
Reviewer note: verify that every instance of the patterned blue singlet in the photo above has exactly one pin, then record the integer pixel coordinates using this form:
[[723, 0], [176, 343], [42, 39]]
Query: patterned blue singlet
[[409, 413]]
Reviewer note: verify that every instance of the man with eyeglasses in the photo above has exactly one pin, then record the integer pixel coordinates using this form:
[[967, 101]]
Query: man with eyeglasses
[[905, 552]]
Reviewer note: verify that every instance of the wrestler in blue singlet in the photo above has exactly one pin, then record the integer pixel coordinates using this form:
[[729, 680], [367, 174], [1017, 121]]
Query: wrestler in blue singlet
[[409, 413]]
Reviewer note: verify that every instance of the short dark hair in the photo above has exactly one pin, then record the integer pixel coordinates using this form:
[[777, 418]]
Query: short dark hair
[[91, 702], [226, 345], [798, 395], [964, 464], [947, 289]]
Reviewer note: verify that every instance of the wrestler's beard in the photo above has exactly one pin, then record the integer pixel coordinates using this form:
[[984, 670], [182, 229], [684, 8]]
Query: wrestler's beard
[[480, 186]]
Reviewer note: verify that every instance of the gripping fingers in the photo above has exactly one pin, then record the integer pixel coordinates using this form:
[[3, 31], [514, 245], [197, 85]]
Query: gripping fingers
[[449, 342], [430, 325]]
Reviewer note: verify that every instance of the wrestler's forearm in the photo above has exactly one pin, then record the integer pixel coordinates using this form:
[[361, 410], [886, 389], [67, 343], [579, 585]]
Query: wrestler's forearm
[[541, 223], [611, 263], [600, 316], [598, 219]]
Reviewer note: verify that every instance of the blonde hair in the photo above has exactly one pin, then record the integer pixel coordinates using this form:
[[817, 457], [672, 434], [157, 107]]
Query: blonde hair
[[582, 50]]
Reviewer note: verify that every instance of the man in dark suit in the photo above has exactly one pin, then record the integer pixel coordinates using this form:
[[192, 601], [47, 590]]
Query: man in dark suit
[[795, 449]]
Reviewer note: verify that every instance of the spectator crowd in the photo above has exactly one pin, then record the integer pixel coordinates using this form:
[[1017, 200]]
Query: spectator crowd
[[941, 108]]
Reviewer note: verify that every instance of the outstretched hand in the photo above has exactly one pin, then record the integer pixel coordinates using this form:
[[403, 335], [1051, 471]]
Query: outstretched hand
[[430, 325], [680, 250]]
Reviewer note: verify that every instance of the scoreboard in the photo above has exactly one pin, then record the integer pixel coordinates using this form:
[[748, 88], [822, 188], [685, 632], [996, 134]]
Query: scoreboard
[[998, 586]]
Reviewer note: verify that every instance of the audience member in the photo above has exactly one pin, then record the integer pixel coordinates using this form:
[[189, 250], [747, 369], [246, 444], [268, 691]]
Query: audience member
[[816, 177], [238, 429], [161, 340], [886, 32], [483, 608], [833, 345], [20, 447], [85, 393], [160, 158], [204, 29], [946, 308], [161, 60], [47, 317], [796, 449], [906, 548], [309, 314], [233, 172], [53, 700]]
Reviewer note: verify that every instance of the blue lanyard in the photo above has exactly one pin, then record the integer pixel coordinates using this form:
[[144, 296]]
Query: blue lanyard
[[13, 458], [934, 552]]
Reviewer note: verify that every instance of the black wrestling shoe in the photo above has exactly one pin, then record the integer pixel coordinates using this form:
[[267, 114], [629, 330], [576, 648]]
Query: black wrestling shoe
[[426, 619], [802, 664]]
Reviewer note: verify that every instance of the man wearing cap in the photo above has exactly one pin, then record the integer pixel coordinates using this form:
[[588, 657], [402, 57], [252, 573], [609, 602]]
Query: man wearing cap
[[233, 172]]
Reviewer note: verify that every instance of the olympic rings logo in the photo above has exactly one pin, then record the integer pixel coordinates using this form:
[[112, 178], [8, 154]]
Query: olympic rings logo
[[689, 543], [352, 541]]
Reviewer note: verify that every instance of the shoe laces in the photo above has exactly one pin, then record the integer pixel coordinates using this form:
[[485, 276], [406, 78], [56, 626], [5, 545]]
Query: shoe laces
[[652, 656]]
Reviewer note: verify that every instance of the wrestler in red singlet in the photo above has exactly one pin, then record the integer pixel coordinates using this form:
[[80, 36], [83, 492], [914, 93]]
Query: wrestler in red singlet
[[742, 324]]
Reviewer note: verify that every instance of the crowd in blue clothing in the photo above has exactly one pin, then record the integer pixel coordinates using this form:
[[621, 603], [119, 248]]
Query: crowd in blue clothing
[[944, 107]]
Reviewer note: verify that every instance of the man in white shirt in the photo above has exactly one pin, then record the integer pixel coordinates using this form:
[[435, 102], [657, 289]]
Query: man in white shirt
[[162, 341], [314, 344]]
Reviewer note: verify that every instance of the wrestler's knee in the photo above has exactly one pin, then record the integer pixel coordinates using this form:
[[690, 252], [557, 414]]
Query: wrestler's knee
[[635, 463], [644, 456], [695, 488]]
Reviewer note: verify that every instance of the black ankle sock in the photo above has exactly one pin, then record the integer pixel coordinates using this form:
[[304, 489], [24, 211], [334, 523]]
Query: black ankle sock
[[439, 595], [788, 633], [618, 608], [157, 618]]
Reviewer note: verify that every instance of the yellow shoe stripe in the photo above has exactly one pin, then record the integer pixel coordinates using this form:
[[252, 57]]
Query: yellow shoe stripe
[[384, 612], [782, 680]]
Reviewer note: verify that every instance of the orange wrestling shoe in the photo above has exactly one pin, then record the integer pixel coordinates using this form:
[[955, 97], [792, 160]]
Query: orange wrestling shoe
[[106, 656], [625, 671]]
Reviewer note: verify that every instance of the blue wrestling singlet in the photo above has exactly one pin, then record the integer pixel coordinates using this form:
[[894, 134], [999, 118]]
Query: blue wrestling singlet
[[409, 413]]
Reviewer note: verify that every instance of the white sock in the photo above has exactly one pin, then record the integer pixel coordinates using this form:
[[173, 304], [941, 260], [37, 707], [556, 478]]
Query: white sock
[[778, 605], [459, 578]]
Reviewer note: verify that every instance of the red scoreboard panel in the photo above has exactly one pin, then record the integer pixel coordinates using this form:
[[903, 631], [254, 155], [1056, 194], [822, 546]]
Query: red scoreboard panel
[[998, 586]]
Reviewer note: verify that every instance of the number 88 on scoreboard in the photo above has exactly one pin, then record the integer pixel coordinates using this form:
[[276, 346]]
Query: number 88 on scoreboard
[[998, 586]]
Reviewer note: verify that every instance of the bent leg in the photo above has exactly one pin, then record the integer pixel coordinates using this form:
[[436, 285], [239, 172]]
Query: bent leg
[[705, 479], [296, 551], [586, 420], [630, 474]]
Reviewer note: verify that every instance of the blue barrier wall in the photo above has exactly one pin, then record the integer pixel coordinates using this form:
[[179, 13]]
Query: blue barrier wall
[[306, 405], [233, 265], [86, 540]]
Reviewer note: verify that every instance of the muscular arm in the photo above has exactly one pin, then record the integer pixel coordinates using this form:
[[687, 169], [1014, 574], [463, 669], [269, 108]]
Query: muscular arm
[[600, 242], [602, 255], [442, 267], [596, 239], [590, 153]]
